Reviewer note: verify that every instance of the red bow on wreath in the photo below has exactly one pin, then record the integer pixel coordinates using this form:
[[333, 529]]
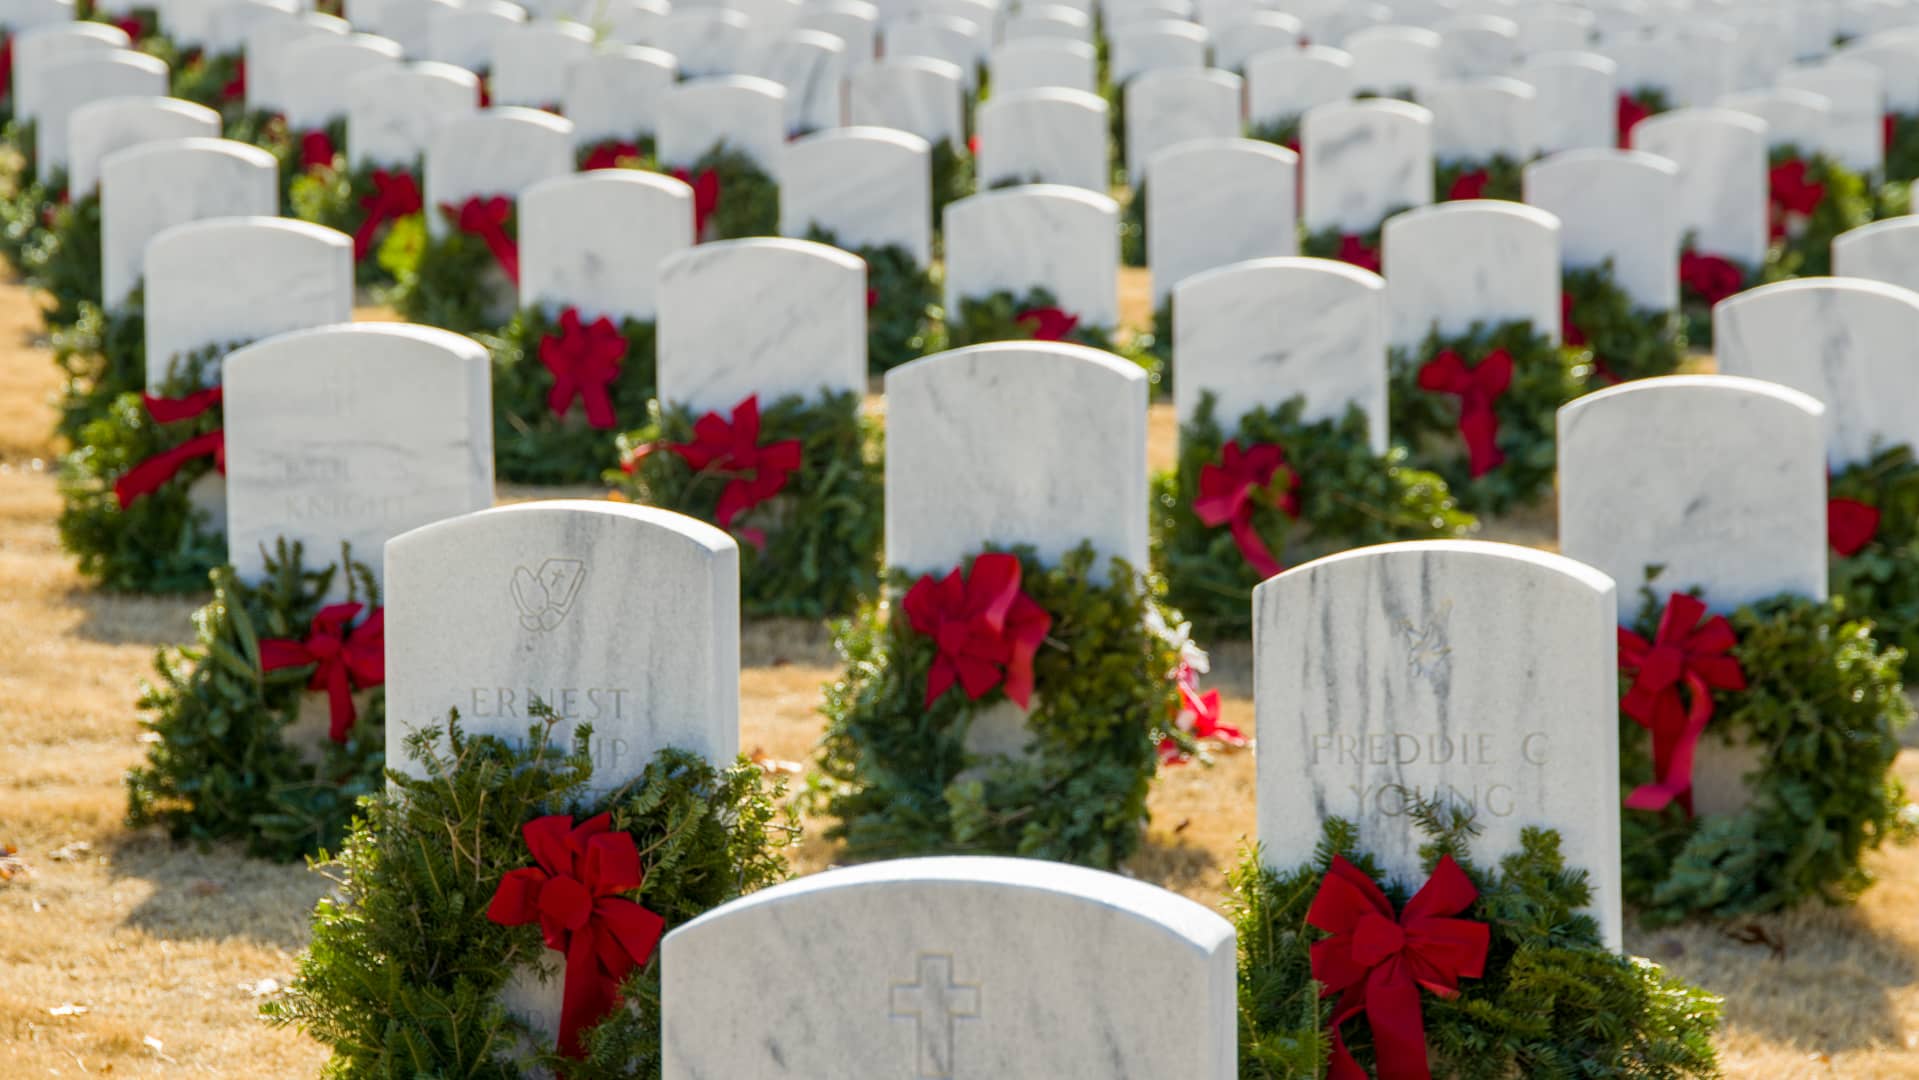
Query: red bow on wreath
[[1242, 481], [486, 218], [146, 477], [1850, 525], [1792, 194], [344, 659], [395, 195], [1569, 330], [316, 151], [1630, 113], [574, 895], [608, 155], [706, 197], [986, 629], [1354, 249], [1047, 323], [584, 359], [1476, 388], [1469, 185], [236, 87], [1710, 277], [6, 66], [1378, 963], [132, 27], [1199, 714], [759, 472], [1682, 652]]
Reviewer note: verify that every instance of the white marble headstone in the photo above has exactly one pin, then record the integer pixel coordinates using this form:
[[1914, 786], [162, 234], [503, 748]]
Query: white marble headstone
[[1046, 20], [36, 47], [739, 112], [1449, 670], [1897, 61], [955, 41], [315, 75], [956, 967], [772, 317], [267, 41], [1043, 63], [99, 128], [1043, 137], [1257, 32], [705, 40], [1156, 45], [394, 111], [964, 431], [811, 66], [150, 186], [1213, 202], [869, 187], [1858, 95], [1723, 196], [1849, 342], [618, 93], [1286, 83], [17, 16], [240, 279], [1062, 239], [912, 94], [1555, 29], [498, 151], [1578, 97], [1257, 333], [625, 617], [1647, 64], [530, 61], [1476, 119], [1166, 108], [408, 22], [1885, 251], [1795, 118], [1478, 260], [596, 241], [353, 433], [854, 22], [79, 79], [1390, 59], [1719, 480], [1618, 205], [1478, 46], [463, 34], [1362, 161]]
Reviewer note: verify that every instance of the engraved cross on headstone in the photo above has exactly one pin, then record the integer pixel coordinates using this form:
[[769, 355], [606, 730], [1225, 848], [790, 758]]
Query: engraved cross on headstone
[[934, 1003]]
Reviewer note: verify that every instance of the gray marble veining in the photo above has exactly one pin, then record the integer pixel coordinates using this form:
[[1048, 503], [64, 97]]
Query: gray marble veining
[[869, 187], [1578, 97], [1478, 46], [1723, 177], [1168, 107], [1469, 673], [1154, 45], [1062, 239], [618, 92], [811, 66], [1286, 83], [1475, 119], [705, 40], [1618, 205], [1363, 160], [394, 111], [913, 94], [1481, 260], [596, 241]]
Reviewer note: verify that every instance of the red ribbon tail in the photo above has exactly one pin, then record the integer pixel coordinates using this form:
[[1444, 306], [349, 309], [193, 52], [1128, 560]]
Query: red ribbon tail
[[146, 477], [599, 407], [363, 236], [505, 252], [581, 1005], [756, 537], [1399, 1028], [1480, 428], [1341, 1065], [1673, 762], [339, 692], [1252, 547]]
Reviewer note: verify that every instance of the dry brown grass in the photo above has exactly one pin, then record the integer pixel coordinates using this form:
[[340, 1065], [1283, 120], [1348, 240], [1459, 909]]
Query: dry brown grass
[[170, 944]]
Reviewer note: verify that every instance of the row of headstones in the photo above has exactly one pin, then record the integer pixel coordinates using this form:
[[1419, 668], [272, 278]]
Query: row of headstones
[[1364, 666]]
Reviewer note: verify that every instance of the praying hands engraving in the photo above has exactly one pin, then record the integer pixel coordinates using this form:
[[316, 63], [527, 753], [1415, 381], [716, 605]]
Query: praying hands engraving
[[545, 597], [935, 1003]]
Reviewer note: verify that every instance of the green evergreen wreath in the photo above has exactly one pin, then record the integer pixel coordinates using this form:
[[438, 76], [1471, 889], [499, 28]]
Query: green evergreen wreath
[[1365, 250], [903, 303], [101, 356], [1880, 581], [27, 212], [452, 282], [1552, 1000], [1544, 377], [1347, 497], [219, 767], [1902, 147], [214, 81], [996, 317], [1461, 178], [1822, 711], [896, 771], [749, 197], [1280, 131], [404, 971], [336, 198], [59, 254], [952, 178], [269, 132], [822, 529], [1624, 341], [19, 136], [1700, 287], [1132, 227], [160, 542], [1802, 242], [533, 446]]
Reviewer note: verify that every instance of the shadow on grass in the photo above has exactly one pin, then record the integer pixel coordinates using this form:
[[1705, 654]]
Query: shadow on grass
[[216, 894], [1170, 861], [780, 642]]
